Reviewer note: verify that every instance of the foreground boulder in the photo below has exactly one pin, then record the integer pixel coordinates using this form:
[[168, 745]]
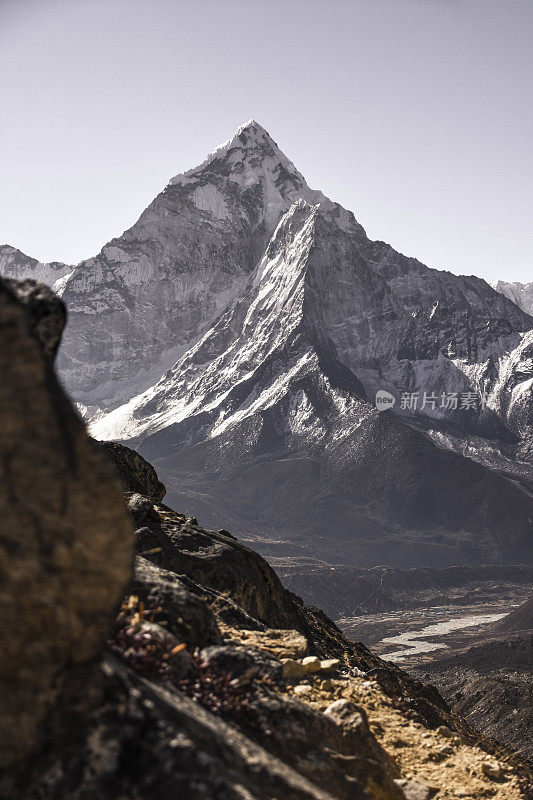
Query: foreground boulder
[[148, 742], [65, 538], [45, 311], [136, 474]]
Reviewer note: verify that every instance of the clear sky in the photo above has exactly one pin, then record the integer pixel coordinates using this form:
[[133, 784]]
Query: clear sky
[[415, 114]]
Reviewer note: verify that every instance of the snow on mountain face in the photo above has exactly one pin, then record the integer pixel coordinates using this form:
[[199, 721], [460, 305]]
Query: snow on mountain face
[[377, 311], [208, 376], [264, 420], [245, 363], [162, 284], [153, 292], [250, 158], [519, 293], [236, 333]]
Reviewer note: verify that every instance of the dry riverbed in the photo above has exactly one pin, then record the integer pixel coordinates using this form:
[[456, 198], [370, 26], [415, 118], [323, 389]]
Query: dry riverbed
[[411, 638]]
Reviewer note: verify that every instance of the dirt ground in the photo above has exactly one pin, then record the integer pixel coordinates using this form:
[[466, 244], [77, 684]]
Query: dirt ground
[[442, 763]]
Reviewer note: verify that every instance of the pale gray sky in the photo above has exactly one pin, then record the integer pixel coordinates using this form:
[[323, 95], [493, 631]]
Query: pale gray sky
[[415, 114]]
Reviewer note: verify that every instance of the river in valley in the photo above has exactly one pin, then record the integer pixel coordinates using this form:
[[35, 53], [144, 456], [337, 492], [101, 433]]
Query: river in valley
[[416, 642], [410, 637]]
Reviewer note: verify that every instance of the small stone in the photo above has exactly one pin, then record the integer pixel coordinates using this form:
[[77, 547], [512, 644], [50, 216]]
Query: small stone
[[326, 685], [303, 689], [311, 664], [443, 730], [357, 673], [436, 756], [329, 665], [399, 742], [492, 770], [447, 750], [139, 507], [413, 790], [292, 670], [348, 715]]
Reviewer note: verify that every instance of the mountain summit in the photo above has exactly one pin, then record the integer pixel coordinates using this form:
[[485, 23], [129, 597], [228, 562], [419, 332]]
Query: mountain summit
[[237, 335], [249, 161]]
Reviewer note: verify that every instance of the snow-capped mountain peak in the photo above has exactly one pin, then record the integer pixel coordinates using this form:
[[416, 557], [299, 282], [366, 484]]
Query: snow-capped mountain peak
[[250, 162], [252, 165], [242, 326], [250, 149]]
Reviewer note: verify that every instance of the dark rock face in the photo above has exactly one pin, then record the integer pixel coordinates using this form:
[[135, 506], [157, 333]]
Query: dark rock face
[[242, 661], [520, 619], [219, 562], [144, 738], [148, 741], [65, 536], [490, 686], [186, 614], [135, 473], [46, 312]]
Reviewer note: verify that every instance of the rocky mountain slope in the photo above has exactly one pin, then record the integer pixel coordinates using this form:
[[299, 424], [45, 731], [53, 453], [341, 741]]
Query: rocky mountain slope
[[214, 681], [490, 682], [521, 619], [237, 334]]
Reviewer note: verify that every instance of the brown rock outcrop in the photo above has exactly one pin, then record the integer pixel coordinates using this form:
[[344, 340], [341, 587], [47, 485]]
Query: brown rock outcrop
[[65, 537]]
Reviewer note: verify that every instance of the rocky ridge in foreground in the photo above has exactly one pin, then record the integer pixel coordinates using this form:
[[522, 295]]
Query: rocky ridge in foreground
[[215, 681]]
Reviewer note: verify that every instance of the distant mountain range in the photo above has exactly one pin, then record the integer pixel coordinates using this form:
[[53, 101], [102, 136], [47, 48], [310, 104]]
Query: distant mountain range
[[519, 293], [237, 335]]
